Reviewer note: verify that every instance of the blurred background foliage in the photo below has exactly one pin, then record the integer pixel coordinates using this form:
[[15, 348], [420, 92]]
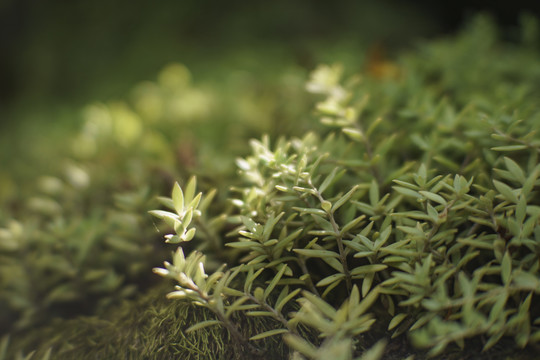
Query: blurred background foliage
[[79, 50], [58, 56], [70, 52]]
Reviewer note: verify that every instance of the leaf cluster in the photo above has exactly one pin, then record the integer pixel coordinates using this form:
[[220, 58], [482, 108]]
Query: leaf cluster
[[435, 231]]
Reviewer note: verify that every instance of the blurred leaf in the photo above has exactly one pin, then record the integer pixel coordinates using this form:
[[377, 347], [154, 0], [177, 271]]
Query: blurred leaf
[[316, 253], [268, 333], [396, 320], [506, 268], [297, 343], [506, 191], [433, 197], [375, 352], [514, 169]]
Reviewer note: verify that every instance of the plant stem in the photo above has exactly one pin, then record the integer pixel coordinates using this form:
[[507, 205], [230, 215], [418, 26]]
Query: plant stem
[[277, 315], [339, 240]]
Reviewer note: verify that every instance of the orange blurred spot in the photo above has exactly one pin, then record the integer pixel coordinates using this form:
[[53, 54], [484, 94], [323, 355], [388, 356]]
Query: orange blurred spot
[[379, 66]]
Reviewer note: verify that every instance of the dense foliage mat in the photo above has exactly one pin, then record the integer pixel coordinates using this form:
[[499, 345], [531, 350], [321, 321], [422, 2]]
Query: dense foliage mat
[[403, 214]]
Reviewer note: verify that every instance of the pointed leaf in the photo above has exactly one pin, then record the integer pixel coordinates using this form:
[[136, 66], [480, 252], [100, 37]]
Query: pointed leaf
[[334, 175], [331, 279], [433, 197], [195, 202], [320, 304], [190, 189], [188, 216], [527, 281], [353, 133], [280, 304], [364, 269], [288, 239], [316, 253], [344, 198], [521, 210], [167, 202], [188, 236], [367, 282], [178, 198], [514, 169], [203, 324], [531, 180], [301, 345], [506, 268], [274, 282], [396, 320], [406, 192], [366, 302], [268, 333], [351, 224], [506, 191], [376, 352], [250, 224], [509, 148], [270, 224], [313, 211], [47, 354]]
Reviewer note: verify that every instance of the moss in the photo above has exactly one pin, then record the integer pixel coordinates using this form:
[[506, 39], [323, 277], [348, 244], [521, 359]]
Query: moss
[[151, 327]]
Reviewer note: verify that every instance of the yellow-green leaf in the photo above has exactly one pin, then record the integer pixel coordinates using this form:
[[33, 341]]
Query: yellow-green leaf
[[190, 189], [433, 197], [178, 198], [331, 279], [506, 191], [316, 253], [344, 198], [396, 320], [268, 333], [202, 325], [506, 267]]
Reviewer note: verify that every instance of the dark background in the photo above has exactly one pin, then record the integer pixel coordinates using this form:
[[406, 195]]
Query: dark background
[[73, 52]]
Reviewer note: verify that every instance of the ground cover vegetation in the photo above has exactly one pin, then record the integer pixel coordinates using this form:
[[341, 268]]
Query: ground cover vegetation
[[387, 214]]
